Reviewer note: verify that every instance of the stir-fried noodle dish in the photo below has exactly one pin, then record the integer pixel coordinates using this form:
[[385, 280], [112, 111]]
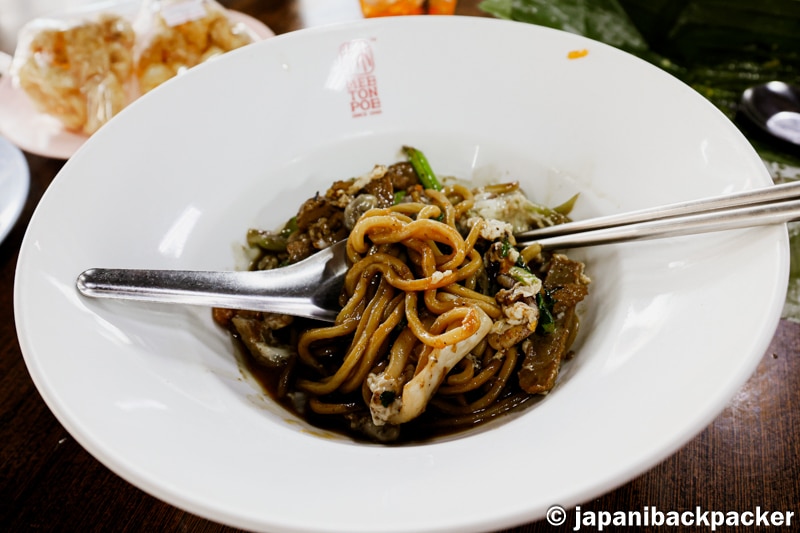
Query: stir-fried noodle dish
[[445, 322]]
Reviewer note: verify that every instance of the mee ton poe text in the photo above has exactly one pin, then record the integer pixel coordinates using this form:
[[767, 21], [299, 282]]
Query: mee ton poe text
[[364, 99]]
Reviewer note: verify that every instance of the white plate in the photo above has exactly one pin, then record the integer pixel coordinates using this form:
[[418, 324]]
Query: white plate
[[672, 328], [43, 134], [14, 183]]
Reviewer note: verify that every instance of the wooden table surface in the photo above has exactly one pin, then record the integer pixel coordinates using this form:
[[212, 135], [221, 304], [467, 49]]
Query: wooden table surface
[[747, 459]]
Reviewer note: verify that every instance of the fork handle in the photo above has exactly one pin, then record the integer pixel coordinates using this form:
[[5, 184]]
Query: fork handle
[[773, 193], [725, 219]]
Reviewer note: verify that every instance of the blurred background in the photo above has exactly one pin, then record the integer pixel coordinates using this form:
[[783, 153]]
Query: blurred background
[[15, 13]]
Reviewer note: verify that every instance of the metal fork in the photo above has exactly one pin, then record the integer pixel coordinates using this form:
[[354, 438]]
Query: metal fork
[[311, 287]]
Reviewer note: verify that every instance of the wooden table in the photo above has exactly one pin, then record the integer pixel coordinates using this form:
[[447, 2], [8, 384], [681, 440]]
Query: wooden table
[[746, 459]]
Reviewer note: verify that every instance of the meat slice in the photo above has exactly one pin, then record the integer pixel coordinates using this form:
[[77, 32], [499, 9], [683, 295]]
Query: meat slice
[[567, 285]]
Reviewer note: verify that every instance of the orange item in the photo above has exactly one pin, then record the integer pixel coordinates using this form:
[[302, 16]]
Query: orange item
[[441, 7], [387, 8], [577, 54]]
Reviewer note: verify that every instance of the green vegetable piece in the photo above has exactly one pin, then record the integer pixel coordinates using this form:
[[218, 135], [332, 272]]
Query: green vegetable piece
[[547, 322], [266, 240], [506, 248], [422, 168], [566, 208], [554, 217], [289, 228], [272, 241], [399, 196], [522, 275]]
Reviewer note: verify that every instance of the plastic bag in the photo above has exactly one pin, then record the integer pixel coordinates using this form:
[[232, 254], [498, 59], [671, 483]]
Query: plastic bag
[[86, 67], [175, 35], [78, 71]]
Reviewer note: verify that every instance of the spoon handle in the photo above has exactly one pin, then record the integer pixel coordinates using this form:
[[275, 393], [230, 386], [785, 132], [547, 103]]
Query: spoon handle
[[308, 289], [231, 290], [719, 220]]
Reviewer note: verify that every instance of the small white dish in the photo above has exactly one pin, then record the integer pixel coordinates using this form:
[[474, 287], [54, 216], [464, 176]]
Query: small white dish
[[671, 330], [14, 185], [42, 134]]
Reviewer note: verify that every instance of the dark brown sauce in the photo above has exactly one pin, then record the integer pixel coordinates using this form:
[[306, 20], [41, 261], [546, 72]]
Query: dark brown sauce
[[429, 426]]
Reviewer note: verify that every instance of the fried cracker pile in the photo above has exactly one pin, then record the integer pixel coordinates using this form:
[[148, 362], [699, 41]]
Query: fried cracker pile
[[79, 74], [172, 49], [84, 73]]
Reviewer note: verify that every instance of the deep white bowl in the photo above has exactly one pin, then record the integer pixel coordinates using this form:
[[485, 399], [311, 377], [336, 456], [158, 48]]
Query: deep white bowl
[[671, 329]]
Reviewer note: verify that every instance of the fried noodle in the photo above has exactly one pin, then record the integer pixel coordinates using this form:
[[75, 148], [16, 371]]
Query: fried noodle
[[436, 329]]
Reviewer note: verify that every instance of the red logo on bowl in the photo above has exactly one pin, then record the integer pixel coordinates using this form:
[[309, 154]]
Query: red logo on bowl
[[357, 62]]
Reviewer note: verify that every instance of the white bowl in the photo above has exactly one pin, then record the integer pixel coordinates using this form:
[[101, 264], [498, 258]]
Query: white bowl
[[671, 329]]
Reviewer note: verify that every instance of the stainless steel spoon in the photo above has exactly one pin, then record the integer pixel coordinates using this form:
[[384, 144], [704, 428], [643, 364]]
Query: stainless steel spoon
[[311, 287]]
